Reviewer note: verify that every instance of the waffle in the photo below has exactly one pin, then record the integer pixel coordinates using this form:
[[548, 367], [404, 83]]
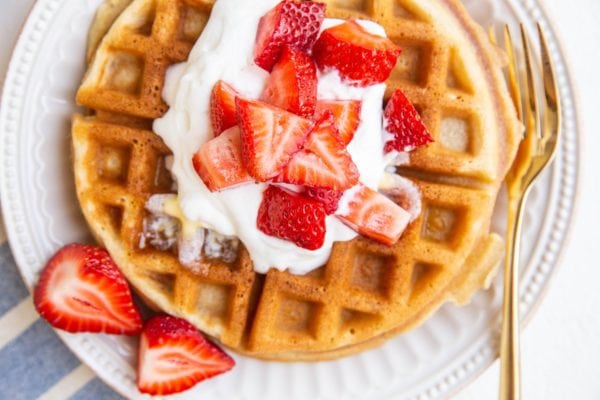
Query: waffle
[[105, 17], [366, 292]]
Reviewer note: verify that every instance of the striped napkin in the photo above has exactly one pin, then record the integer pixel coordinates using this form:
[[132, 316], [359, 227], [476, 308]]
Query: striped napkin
[[34, 363]]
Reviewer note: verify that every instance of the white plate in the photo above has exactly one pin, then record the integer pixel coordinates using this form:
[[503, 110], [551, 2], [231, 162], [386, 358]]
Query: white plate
[[41, 214]]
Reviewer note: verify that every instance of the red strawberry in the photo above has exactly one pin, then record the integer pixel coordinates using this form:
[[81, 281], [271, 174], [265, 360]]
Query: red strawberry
[[174, 356], [222, 107], [82, 290], [292, 84], [323, 163], [402, 120], [329, 198], [219, 161], [346, 116], [292, 23], [270, 136], [373, 215], [361, 58], [292, 217]]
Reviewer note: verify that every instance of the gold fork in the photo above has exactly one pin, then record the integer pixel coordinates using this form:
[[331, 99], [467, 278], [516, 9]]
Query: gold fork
[[535, 152]]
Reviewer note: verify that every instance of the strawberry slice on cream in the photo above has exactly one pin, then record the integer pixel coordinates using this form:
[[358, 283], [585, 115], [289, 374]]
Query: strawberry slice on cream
[[249, 45]]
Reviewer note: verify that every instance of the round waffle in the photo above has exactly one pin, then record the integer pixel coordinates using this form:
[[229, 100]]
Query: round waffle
[[366, 292]]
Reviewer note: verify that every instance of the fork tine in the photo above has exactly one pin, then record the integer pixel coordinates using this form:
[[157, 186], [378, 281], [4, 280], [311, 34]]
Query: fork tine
[[552, 122], [532, 119], [513, 77], [492, 36]]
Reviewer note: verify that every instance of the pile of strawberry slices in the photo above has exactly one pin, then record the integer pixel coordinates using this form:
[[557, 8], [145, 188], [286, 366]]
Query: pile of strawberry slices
[[296, 142], [81, 289]]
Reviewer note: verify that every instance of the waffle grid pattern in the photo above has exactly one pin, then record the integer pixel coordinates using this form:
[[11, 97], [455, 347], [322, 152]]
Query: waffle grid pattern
[[433, 75], [130, 81], [366, 290]]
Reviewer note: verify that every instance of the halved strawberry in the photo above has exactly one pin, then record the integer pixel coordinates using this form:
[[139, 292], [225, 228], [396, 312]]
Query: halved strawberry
[[174, 356], [323, 163], [293, 217], [222, 107], [361, 58], [402, 120], [346, 116], [219, 161], [329, 198], [270, 136], [292, 84], [373, 215], [292, 23], [82, 290]]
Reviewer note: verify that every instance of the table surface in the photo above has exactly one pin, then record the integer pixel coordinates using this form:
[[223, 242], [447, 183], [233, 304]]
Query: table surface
[[561, 351]]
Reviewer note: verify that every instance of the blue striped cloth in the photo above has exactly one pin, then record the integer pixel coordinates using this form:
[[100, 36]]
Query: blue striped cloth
[[34, 363]]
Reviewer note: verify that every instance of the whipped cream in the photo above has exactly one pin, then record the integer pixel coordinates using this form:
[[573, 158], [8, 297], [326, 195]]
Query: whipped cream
[[225, 50]]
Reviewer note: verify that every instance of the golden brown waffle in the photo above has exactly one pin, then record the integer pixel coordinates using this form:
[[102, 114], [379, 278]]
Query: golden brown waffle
[[128, 72], [367, 291], [106, 15]]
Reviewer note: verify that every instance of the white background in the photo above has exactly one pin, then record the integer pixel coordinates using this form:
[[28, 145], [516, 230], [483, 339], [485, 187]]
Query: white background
[[561, 345]]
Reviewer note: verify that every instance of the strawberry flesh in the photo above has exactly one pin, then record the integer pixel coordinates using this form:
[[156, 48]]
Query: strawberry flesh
[[323, 163], [293, 217], [329, 198], [362, 59], [222, 107], [372, 214], [270, 137], [292, 84], [82, 290], [402, 120], [346, 116], [219, 161], [174, 356], [292, 23]]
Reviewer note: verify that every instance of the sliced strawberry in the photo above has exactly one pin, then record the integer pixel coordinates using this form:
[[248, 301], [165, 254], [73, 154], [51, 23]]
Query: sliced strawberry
[[222, 107], [329, 198], [361, 58], [219, 161], [270, 136], [402, 120], [323, 163], [346, 116], [292, 23], [174, 356], [292, 84], [373, 215], [292, 217], [82, 290]]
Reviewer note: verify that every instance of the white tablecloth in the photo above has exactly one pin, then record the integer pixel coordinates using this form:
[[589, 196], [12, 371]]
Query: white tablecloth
[[561, 345]]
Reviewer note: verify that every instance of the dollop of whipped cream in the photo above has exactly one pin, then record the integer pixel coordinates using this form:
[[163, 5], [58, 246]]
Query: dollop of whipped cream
[[225, 50]]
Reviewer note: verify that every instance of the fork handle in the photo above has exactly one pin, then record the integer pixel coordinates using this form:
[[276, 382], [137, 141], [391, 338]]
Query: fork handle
[[510, 349]]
